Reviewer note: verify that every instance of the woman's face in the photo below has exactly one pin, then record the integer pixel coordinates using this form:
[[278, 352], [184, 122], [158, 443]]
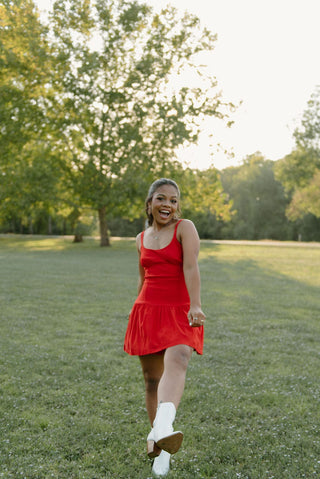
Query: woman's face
[[164, 204]]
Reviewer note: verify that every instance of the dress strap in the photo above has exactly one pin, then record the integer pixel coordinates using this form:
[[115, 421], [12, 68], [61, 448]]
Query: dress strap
[[141, 239], [176, 227]]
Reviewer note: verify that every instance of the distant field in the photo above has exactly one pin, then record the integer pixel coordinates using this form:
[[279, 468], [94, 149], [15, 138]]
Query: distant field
[[72, 402]]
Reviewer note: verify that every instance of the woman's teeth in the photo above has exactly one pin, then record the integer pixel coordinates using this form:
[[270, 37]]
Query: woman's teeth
[[164, 213]]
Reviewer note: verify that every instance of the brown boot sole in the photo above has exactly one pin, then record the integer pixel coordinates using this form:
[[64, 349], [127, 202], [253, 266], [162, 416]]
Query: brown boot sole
[[171, 443], [152, 449]]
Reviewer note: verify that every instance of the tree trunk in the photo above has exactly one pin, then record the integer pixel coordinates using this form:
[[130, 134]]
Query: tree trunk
[[104, 235], [49, 225], [78, 238]]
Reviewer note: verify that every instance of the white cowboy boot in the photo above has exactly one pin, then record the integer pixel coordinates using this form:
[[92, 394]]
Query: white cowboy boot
[[161, 464], [163, 433]]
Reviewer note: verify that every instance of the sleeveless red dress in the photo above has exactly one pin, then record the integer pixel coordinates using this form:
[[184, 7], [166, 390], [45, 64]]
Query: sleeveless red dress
[[158, 319]]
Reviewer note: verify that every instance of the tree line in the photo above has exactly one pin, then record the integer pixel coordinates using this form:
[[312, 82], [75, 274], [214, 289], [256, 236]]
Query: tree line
[[91, 115], [261, 205]]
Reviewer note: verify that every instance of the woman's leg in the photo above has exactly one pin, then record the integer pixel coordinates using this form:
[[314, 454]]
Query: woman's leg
[[171, 385], [152, 368], [164, 376], [170, 390]]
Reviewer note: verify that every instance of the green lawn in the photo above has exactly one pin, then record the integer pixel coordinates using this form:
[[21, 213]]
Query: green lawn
[[72, 402]]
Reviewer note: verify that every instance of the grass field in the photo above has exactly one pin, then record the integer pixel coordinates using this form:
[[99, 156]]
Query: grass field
[[72, 402]]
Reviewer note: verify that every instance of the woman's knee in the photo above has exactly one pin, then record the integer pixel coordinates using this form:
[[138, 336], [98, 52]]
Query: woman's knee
[[179, 355], [151, 382], [152, 368]]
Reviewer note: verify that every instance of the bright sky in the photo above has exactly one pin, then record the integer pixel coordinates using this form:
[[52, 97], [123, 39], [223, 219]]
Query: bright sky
[[267, 55]]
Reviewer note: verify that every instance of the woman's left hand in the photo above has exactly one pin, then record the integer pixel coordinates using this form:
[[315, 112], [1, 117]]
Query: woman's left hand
[[196, 317]]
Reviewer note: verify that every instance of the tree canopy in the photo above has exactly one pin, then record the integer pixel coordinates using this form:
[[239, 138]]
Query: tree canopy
[[299, 171], [123, 116], [258, 199], [94, 105], [23, 92]]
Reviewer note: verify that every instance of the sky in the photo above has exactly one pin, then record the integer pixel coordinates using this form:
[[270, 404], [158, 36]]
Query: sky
[[267, 57]]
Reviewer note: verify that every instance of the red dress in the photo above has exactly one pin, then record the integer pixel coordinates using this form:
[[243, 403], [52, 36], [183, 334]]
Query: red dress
[[158, 319]]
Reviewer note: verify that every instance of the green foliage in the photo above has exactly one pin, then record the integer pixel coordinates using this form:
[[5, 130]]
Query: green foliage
[[202, 193], [299, 171], [306, 200], [31, 171], [258, 200], [245, 202], [23, 76], [123, 118], [70, 395], [308, 134], [31, 185], [202, 200], [307, 228], [90, 114]]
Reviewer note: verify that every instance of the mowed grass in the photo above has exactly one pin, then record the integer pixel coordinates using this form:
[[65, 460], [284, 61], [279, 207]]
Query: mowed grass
[[72, 402]]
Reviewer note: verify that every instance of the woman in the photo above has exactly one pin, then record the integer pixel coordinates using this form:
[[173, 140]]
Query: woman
[[166, 321]]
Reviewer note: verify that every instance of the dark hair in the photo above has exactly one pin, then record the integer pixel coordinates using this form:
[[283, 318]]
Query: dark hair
[[153, 188]]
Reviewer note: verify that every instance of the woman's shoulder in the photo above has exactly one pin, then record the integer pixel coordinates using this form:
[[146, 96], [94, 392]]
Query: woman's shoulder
[[185, 227], [185, 224], [185, 221]]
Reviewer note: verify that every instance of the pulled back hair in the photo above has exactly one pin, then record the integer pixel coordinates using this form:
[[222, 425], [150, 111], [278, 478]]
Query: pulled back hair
[[153, 188]]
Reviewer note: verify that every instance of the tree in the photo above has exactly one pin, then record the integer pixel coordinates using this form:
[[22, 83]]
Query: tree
[[307, 136], [299, 171], [204, 201], [203, 193], [22, 67], [122, 117], [29, 169], [258, 200], [306, 200]]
